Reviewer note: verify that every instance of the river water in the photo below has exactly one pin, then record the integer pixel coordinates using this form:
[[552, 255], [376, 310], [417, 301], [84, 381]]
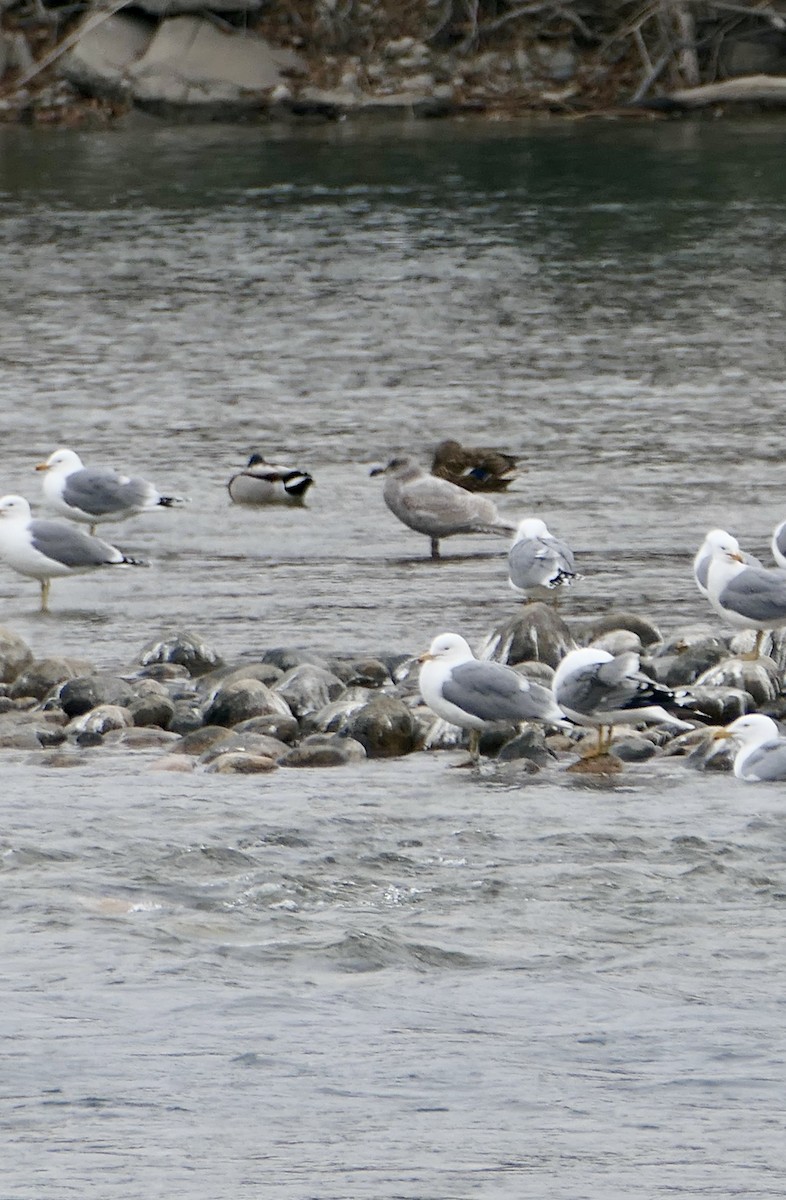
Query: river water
[[393, 980]]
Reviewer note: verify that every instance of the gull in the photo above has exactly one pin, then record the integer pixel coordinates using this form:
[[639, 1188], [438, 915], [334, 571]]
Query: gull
[[701, 561], [750, 597], [47, 549], [595, 688], [475, 468], [477, 695], [538, 560], [95, 494], [761, 756], [261, 482], [778, 544], [434, 506]]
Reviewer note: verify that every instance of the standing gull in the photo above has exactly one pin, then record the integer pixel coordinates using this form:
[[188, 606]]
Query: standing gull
[[475, 468], [261, 482], [595, 688], [434, 506], [761, 756], [538, 560], [778, 544], [96, 494], [476, 695], [47, 549], [749, 597], [701, 562]]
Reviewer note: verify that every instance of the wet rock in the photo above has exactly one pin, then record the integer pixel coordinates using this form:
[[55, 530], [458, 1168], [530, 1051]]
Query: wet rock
[[324, 750], [634, 749], [537, 672], [530, 744], [86, 692], [241, 700], [97, 722], [199, 740], [307, 688], [758, 678], [186, 649], [710, 755], [536, 633], [151, 704], [45, 674], [385, 728], [147, 738], [164, 672], [686, 667], [281, 726], [49, 736], [361, 672], [618, 641], [15, 655], [286, 657], [597, 764], [19, 736], [239, 763], [333, 717], [186, 717], [263, 672], [250, 743], [173, 762], [587, 631]]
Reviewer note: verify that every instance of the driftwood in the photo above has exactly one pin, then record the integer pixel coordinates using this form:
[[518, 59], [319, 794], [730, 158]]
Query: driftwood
[[751, 89]]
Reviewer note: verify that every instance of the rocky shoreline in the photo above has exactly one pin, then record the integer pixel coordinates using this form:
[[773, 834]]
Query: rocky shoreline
[[191, 711], [69, 64]]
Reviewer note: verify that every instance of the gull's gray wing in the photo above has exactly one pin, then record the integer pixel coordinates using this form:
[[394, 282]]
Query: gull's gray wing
[[433, 505], [757, 594], [496, 693], [70, 546], [610, 687], [102, 491], [767, 762], [525, 559], [701, 568]]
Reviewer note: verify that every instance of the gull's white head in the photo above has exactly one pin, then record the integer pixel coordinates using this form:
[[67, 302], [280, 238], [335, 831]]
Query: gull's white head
[[750, 730], [14, 508], [531, 527], [447, 648], [62, 461], [719, 543]]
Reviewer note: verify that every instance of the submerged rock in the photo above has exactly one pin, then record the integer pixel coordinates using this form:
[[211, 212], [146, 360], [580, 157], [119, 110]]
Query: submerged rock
[[324, 750], [237, 762]]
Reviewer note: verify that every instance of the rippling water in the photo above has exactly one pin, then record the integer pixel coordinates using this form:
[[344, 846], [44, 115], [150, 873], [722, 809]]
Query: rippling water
[[393, 980]]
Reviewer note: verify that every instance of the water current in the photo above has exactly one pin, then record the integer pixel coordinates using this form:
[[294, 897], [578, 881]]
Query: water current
[[393, 980]]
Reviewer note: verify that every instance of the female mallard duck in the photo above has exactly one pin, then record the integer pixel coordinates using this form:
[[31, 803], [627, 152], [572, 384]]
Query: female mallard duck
[[474, 468], [262, 482]]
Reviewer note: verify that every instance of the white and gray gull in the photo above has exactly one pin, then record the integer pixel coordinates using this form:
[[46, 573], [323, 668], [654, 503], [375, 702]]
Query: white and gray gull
[[595, 688], [701, 561], [539, 560], [761, 754], [479, 695], [92, 495], [436, 507], [262, 482], [748, 597], [45, 549]]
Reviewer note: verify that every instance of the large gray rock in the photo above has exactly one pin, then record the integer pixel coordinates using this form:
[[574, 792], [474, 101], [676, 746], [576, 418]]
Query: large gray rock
[[86, 692], [537, 633], [241, 700], [306, 689], [15, 654], [759, 678], [100, 59], [324, 750], [385, 728], [186, 649], [44, 675], [191, 63]]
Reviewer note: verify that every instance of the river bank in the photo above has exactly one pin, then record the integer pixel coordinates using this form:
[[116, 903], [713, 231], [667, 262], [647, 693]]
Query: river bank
[[71, 65]]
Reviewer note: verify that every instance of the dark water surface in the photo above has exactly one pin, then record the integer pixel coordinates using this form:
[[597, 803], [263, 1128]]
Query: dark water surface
[[393, 980]]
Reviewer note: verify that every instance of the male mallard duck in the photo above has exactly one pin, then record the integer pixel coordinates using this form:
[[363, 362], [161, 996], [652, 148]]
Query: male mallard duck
[[262, 482]]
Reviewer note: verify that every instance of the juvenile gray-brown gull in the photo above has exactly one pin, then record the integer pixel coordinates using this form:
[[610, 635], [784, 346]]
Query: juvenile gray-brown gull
[[477, 695], [475, 468], [436, 507], [538, 560], [261, 482], [701, 561], [595, 688], [95, 494], [761, 756], [45, 550], [749, 597]]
